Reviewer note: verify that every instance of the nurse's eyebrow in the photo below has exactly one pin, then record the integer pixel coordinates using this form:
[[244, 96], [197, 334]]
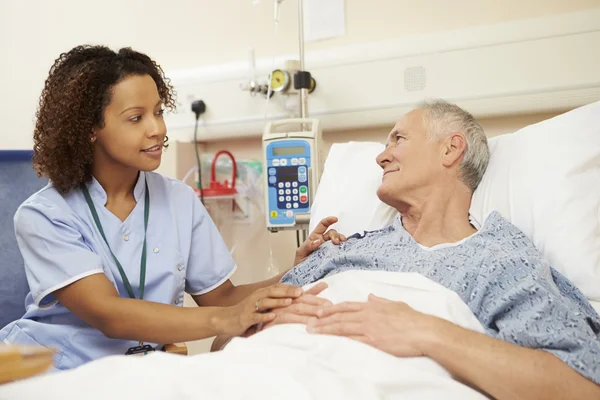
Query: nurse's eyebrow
[[159, 102]]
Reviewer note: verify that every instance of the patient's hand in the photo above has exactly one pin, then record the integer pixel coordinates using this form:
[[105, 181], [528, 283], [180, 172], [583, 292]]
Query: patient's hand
[[390, 326], [317, 237], [302, 308]]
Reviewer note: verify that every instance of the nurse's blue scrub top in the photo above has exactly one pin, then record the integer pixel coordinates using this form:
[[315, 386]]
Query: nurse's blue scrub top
[[60, 244]]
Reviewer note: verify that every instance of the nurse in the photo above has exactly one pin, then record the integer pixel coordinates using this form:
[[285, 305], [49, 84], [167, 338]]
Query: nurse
[[109, 246]]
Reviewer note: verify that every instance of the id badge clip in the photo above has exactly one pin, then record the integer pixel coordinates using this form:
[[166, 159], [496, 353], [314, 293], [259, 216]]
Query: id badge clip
[[140, 350]]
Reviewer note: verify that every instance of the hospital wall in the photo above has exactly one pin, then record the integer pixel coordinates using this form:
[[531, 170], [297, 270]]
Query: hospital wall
[[184, 34]]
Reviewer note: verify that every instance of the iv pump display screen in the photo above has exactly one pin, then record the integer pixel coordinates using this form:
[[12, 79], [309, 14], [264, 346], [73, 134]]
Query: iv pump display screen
[[287, 151]]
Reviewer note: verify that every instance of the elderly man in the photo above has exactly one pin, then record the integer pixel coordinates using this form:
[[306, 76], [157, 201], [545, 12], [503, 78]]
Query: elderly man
[[435, 157]]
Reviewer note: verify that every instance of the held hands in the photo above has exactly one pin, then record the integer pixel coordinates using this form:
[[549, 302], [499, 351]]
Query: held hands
[[390, 326], [278, 304], [302, 308], [317, 237], [257, 308], [299, 311]]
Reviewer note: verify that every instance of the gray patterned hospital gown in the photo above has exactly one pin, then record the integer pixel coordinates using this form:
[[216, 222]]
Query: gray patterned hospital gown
[[497, 272]]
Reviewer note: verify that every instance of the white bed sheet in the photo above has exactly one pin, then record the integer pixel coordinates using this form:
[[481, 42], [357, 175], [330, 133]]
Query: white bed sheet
[[280, 362]]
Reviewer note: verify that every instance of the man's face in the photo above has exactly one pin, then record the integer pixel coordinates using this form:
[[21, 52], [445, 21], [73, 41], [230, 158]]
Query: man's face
[[411, 162]]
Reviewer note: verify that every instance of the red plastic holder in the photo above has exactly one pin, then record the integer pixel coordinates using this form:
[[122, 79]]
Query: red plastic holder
[[215, 188]]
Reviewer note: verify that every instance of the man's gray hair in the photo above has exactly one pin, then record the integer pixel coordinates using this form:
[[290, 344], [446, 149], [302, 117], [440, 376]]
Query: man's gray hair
[[443, 118]]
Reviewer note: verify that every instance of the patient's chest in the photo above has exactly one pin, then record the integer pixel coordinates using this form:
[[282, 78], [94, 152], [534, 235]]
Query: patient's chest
[[455, 267]]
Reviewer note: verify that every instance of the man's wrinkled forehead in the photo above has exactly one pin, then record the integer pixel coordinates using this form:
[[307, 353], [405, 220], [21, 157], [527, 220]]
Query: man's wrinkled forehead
[[410, 124]]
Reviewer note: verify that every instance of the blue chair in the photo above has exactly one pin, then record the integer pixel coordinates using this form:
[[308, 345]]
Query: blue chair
[[18, 181]]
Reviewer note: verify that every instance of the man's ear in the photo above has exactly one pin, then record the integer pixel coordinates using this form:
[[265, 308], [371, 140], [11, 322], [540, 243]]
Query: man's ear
[[455, 146]]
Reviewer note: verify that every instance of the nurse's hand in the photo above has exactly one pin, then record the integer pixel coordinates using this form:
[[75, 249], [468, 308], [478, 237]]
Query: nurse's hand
[[258, 308], [302, 309], [317, 237]]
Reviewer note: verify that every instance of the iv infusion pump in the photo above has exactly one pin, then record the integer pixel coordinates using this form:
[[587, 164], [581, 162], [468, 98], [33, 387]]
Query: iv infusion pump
[[292, 165]]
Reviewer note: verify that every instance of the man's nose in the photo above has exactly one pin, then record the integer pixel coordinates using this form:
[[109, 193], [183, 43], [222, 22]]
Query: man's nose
[[384, 157]]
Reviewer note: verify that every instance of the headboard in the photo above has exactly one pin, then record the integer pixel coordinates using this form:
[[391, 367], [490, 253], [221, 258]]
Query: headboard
[[18, 181]]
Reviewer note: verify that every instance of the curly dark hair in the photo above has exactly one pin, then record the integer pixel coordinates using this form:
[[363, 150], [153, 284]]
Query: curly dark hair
[[72, 104]]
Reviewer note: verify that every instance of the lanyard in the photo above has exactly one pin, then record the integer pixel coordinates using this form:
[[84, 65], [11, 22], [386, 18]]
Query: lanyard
[[88, 199]]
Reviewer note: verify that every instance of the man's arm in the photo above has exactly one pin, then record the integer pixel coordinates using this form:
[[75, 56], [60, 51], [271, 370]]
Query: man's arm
[[503, 370]]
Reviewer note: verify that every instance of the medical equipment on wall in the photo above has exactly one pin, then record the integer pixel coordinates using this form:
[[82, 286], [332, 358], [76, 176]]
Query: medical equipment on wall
[[216, 188], [252, 85], [281, 80], [244, 196], [292, 170], [285, 81], [220, 197], [288, 81]]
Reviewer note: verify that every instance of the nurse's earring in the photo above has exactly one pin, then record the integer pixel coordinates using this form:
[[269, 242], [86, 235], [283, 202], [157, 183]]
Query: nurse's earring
[[93, 139]]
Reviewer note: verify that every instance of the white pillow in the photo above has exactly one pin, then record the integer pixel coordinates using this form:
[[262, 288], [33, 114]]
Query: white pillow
[[545, 179], [348, 189]]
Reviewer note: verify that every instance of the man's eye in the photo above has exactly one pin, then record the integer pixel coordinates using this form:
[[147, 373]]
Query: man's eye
[[135, 118]]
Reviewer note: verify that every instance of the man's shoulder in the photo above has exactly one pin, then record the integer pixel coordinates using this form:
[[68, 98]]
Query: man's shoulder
[[501, 235], [508, 251]]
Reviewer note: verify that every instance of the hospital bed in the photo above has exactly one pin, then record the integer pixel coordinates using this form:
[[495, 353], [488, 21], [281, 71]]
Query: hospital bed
[[544, 178]]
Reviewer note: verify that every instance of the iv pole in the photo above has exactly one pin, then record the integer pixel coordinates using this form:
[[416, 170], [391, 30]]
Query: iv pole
[[303, 91]]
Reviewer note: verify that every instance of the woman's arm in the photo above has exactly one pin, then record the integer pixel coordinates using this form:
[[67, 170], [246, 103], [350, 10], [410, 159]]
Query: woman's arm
[[95, 300], [227, 294]]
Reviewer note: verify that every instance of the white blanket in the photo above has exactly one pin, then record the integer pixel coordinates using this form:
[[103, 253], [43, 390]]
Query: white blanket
[[283, 362]]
